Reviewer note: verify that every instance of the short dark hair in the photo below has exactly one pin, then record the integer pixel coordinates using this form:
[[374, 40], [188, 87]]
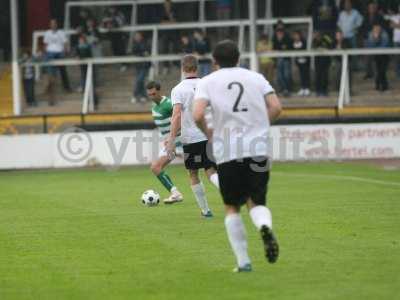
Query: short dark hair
[[226, 54], [189, 63], [153, 85]]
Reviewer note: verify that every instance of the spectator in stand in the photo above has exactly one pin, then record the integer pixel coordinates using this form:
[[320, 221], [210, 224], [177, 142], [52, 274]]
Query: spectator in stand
[[395, 24], [5, 41], [282, 42], [280, 25], [201, 47], [303, 63], [224, 8], [80, 25], [84, 16], [168, 14], [140, 48], [341, 44], [378, 38], [56, 45], [372, 17], [266, 63], [322, 63], [113, 20], [28, 75], [324, 14], [83, 51], [350, 20], [169, 38], [94, 37], [186, 45]]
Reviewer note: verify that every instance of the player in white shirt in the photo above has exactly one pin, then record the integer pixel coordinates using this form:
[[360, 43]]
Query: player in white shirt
[[193, 139], [243, 104]]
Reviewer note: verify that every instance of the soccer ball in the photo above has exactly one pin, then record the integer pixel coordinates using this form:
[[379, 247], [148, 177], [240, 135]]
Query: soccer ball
[[150, 198]]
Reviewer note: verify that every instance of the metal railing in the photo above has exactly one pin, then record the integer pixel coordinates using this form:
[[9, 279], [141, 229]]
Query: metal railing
[[344, 97], [344, 90], [156, 28], [241, 24]]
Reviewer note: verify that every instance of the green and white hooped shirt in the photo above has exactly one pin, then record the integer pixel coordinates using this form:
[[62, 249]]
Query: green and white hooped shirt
[[162, 114]]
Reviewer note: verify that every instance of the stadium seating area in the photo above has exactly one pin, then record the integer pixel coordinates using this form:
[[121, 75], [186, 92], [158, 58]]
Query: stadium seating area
[[114, 88], [115, 92]]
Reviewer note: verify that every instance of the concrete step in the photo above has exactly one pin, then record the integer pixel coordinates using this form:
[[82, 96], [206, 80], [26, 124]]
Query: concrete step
[[125, 107], [63, 107], [115, 91]]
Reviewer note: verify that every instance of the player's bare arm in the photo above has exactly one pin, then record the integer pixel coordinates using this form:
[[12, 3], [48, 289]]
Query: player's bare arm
[[274, 106], [199, 112], [175, 127]]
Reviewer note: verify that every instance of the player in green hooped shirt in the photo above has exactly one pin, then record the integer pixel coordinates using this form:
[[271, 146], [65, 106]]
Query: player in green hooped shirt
[[162, 112]]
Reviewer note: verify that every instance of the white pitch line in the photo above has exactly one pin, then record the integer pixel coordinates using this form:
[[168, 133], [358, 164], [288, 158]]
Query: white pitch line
[[352, 178]]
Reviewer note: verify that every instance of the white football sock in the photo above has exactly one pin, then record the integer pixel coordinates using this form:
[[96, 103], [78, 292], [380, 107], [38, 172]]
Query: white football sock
[[200, 195], [261, 215], [214, 180], [237, 237]]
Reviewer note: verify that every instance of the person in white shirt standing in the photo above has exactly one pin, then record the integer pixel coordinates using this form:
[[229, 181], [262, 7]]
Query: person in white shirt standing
[[196, 154], [243, 104], [56, 44], [349, 22]]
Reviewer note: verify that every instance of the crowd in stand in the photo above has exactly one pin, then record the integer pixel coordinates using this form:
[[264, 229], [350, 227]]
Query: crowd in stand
[[335, 27], [89, 40]]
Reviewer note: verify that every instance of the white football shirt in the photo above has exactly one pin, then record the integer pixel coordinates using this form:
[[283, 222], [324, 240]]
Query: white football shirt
[[239, 112], [55, 40], [183, 94]]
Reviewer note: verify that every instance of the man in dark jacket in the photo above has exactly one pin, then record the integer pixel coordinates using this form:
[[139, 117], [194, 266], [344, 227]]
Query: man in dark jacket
[[282, 42], [113, 20], [201, 47], [371, 17], [303, 63], [324, 14], [140, 48], [169, 38], [322, 63], [378, 38]]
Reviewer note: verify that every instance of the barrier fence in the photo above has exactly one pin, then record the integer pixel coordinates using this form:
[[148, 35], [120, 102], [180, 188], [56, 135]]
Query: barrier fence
[[344, 97], [156, 29]]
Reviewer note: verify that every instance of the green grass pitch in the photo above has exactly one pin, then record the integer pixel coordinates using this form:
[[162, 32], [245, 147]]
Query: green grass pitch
[[83, 234]]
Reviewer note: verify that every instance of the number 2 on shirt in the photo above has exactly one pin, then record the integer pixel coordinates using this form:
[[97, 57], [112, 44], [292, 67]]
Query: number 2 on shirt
[[239, 97]]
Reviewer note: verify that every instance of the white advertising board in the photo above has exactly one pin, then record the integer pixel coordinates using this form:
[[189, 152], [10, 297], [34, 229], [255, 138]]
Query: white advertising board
[[119, 148]]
